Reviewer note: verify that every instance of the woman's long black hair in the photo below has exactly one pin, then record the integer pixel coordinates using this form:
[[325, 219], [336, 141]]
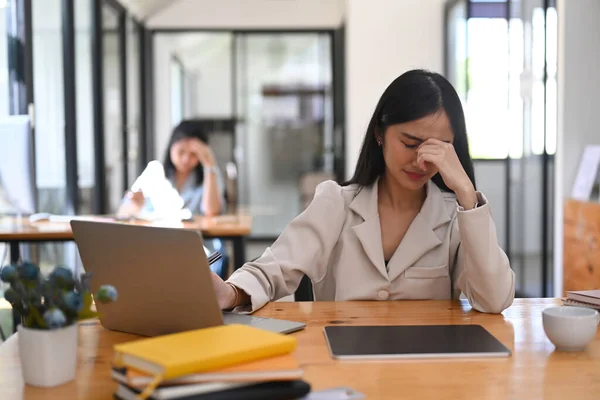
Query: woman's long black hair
[[187, 129], [413, 95]]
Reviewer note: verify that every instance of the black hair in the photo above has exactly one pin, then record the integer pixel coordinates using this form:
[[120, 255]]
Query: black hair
[[413, 95], [187, 129]]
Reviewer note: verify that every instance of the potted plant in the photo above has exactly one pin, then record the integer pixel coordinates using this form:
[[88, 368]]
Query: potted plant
[[49, 308]]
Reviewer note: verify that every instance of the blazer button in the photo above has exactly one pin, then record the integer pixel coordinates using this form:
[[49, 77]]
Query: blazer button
[[383, 295]]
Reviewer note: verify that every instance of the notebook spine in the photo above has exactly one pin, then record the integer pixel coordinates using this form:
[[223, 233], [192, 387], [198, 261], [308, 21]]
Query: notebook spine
[[576, 303]]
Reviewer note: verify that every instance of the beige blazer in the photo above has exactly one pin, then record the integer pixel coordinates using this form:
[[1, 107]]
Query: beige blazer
[[336, 241]]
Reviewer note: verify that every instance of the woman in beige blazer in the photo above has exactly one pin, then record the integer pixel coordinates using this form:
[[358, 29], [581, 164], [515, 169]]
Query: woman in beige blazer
[[408, 225]]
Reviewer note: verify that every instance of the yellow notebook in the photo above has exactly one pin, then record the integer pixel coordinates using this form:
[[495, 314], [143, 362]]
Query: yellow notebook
[[208, 349]]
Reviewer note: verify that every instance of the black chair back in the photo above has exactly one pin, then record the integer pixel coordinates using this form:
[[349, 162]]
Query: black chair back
[[305, 290]]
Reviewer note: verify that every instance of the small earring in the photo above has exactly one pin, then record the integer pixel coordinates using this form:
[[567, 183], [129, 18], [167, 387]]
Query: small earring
[[379, 143]]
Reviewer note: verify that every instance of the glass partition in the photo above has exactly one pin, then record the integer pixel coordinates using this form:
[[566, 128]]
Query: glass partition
[[49, 105], [532, 102], [507, 80], [266, 100], [114, 143], [285, 133]]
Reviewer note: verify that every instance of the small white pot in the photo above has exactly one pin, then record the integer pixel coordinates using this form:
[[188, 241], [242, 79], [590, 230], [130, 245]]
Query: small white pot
[[48, 357]]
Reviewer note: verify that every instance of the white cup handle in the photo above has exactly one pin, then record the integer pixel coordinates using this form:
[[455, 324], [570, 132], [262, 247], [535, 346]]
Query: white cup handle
[[597, 317]]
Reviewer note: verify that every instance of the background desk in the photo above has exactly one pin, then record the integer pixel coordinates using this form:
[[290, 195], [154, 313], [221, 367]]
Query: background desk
[[227, 227], [534, 371]]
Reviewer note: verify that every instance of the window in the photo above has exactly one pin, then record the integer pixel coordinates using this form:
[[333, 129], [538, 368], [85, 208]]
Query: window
[[49, 105], [486, 103], [84, 104], [4, 109]]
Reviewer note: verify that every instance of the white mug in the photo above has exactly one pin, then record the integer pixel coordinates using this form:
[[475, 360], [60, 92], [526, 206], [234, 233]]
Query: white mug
[[570, 328]]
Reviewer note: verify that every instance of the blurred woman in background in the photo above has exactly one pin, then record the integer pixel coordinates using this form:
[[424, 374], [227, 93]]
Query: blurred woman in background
[[191, 169]]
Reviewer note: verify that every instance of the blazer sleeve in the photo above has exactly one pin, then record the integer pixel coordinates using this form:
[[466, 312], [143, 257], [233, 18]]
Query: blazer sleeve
[[481, 270], [303, 248]]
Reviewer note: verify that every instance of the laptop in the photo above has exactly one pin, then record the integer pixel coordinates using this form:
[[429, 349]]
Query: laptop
[[162, 277]]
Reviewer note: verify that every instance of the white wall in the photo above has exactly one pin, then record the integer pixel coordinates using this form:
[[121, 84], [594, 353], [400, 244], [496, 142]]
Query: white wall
[[250, 14], [578, 104], [385, 38], [579, 83], [213, 77]]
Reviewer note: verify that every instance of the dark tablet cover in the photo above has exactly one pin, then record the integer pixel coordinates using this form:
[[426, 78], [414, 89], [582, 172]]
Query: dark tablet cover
[[413, 341]]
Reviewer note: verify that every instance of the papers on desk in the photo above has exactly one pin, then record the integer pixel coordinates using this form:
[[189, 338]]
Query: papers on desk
[[165, 200], [583, 298], [39, 217]]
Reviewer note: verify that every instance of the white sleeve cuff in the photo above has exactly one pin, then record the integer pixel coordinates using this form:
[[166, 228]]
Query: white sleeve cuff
[[249, 284], [481, 201]]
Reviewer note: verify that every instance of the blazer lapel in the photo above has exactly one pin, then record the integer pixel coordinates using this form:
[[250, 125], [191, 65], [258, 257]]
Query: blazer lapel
[[369, 231], [421, 237]]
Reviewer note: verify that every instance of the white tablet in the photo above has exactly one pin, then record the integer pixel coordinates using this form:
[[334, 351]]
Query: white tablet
[[412, 341]]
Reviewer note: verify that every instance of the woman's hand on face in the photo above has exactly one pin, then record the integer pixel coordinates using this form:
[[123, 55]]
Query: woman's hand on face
[[225, 293], [444, 157], [204, 154]]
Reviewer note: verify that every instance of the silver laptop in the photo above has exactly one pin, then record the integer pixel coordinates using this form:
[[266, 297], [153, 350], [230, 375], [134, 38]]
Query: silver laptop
[[162, 278]]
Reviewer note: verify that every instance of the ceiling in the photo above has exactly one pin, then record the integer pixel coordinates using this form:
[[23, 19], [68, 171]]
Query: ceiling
[[143, 9], [240, 14]]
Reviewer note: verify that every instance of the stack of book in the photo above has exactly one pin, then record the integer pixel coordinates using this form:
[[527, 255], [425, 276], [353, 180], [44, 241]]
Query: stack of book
[[224, 362], [583, 298]]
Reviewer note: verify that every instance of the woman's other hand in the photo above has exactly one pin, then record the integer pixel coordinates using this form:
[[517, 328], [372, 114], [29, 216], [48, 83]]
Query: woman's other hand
[[136, 198], [204, 153]]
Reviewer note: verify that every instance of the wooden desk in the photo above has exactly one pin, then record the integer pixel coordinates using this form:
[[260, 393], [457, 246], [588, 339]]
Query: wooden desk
[[534, 371], [228, 227]]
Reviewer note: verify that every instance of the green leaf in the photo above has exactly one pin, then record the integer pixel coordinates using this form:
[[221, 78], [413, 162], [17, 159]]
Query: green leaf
[[31, 285], [30, 320], [34, 319], [85, 312]]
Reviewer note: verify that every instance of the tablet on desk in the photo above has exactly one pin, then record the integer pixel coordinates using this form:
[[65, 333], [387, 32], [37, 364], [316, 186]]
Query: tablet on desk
[[412, 341]]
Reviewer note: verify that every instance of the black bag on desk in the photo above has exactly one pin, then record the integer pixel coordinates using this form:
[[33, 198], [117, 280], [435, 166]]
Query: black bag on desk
[[275, 390]]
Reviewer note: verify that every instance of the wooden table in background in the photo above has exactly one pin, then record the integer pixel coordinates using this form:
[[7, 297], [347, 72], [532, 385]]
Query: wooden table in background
[[14, 231], [534, 371], [234, 228]]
